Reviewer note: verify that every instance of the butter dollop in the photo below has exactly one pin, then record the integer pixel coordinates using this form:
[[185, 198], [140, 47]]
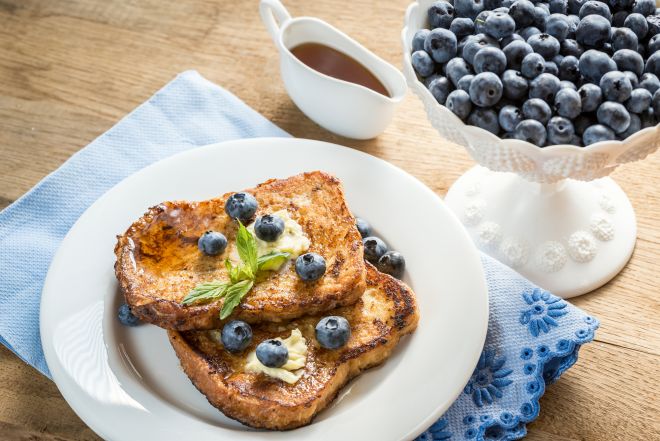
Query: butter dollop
[[293, 369], [292, 240]]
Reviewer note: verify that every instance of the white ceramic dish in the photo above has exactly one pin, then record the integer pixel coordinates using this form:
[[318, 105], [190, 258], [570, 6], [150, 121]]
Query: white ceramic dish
[[126, 384]]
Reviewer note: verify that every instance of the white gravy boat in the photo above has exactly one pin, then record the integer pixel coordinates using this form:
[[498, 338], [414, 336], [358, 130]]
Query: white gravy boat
[[345, 108]]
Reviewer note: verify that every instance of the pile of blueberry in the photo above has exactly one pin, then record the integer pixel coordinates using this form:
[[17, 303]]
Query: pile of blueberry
[[544, 71], [377, 253]]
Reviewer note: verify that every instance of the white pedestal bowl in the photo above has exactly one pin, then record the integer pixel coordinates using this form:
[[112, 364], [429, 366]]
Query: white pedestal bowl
[[550, 213]]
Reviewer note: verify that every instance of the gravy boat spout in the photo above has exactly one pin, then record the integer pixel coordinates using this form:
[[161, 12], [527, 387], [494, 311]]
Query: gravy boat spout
[[342, 107]]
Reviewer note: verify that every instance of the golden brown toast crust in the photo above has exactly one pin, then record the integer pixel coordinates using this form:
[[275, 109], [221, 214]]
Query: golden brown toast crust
[[158, 262], [378, 320]]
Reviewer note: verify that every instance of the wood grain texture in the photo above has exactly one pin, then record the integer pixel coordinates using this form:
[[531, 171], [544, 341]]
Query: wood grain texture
[[70, 69]]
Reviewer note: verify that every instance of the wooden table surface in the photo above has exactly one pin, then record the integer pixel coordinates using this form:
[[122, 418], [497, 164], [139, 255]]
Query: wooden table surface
[[69, 69]]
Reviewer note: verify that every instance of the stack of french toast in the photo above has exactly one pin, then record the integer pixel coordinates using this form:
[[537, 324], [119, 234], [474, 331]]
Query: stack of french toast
[[266, 296]]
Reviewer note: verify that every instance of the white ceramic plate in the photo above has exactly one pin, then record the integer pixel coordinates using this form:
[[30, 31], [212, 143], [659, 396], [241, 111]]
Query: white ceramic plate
[[126, 384]]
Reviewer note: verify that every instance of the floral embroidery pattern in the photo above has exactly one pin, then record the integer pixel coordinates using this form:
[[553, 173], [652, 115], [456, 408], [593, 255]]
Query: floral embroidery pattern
[[438, 431], [488, 379], [544, 311]]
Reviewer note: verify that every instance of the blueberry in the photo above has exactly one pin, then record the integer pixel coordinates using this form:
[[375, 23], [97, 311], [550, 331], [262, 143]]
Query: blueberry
[[633, 79], [510, 39], [551, 68], [485, 89], [624, 38], [656, 102], [619, 18], [529, 31], [333, 332], [575, 5], [480, 22], [492, 4], [363, 227], [544, 86], [567, 85], [456, 69], [459, 102], [514, 84], [615, 86], [557, 59], [591, 97], [241, 206], [374, 247], [441, 14], [126, 316], [541, 13], [593, 30], [431, 78], [614, 116], [593, 7], [441, 44], [236, 336], [418, 39], [464, 83], [594, 64], [618, 5], [440, 89], [634, 127], [537, 109], [509, 117], [485, 119], [638, 24], [653, 64], [570, 47], [468, 8], [499, 25], [532, 65], [272, 353], [522, 11], [654, 44], [647, 118], [568, 103], [489, 59], [310, 266], [557, 26], [269, 227], [422, 63], [515, 52], [644, 7], [392, 263], [212, 243], [569, 69], [627, 59], [649, 82], [597, 133], [558, 6], [560, 130], [653, 22], [573, 22], [475, 44], [531, 131], [461, 27], [503, 9]]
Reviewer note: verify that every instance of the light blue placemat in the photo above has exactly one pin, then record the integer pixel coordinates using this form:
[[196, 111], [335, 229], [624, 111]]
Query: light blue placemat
[[533, 337]]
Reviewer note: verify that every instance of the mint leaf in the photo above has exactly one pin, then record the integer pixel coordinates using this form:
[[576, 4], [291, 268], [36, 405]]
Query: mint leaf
[[272, 261], [205, 292], [233, 297], [247, 249]]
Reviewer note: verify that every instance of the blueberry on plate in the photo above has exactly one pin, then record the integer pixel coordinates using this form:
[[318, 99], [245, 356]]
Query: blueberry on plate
[[441, 14], [272, 353], [126, 316], [212, 243], [440, 89], [614, 116], [615, 86], [568, 103], [374, 248], [536, 109], [392, 263], [485, 119], [310, 267], [560, 130], [591, 97], [486, 89], [236, 336], [459, 102], [422, 63], [418, 39], [514, 84], [489, 59], [597, 133], [241, 206], [509, 117], [531, 131], [333, 332], [441, 44], [456, 69], [363, 227], [545, 86], [269, 227]]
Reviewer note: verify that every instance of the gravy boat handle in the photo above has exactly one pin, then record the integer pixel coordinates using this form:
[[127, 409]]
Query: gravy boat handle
[[273, 14]]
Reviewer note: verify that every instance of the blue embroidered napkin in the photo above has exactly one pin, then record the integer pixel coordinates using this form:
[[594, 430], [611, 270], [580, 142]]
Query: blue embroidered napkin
[[533, 336]]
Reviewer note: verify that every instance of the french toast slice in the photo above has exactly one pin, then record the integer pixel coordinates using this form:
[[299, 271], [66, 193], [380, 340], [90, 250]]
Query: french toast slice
[[158, 261], [384, 313]]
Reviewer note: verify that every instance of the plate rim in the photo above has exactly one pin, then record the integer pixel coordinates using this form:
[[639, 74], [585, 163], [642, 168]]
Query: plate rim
[[58, 371]]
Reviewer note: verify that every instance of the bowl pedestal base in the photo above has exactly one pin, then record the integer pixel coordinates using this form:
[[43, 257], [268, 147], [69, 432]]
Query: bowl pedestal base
[[569, 237]]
